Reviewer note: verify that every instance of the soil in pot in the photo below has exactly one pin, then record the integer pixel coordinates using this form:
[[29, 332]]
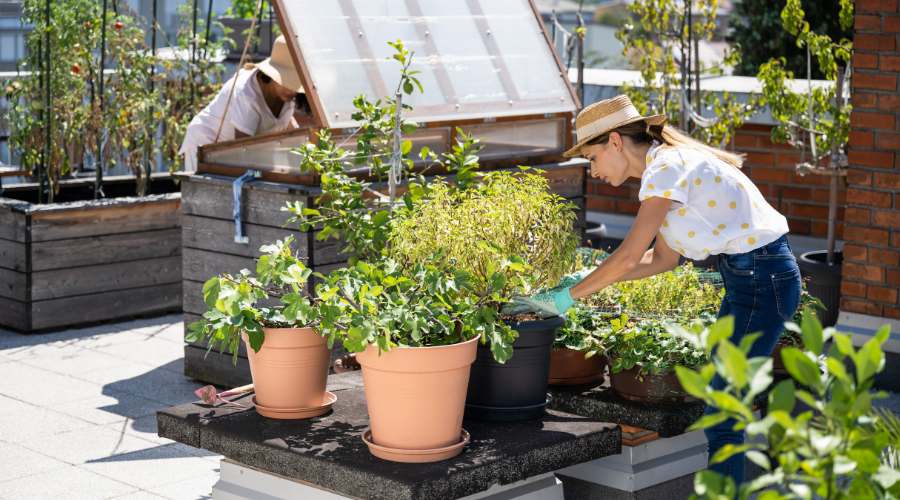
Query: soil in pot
[[289, 373], [823, 282], [649, 389], [415, 398], [570, 367], [516, 390]]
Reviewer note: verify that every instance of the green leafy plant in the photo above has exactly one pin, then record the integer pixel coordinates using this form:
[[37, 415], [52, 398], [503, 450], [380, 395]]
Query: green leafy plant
[[647, 345], [581, 331], [662, 42], [273, 297], [389, 304], [807, 301], [503, 215], [817, 121], [681, 294], [245, 9], [831, 448]]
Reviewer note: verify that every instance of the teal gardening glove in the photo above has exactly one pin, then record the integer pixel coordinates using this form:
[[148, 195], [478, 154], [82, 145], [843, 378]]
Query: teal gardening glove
[[553, 302]]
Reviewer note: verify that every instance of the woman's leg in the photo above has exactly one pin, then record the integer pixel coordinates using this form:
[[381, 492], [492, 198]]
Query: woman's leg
[[762, 292]]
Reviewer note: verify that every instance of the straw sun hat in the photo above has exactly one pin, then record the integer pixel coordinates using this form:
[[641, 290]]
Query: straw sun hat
[[280, 67], [603, 116]]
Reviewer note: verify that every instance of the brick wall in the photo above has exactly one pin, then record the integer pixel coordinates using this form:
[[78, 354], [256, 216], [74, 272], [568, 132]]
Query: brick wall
[[803, 200], [871, 274]]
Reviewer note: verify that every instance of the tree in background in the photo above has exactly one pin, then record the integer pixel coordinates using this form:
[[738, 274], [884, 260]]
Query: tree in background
[[757, 27]]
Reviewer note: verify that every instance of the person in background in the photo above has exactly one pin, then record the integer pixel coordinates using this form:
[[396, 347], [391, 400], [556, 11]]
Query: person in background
[[695, 202], [258, 99]]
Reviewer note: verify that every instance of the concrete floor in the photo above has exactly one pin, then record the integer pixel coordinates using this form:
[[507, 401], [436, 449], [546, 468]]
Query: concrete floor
[[77, 414]]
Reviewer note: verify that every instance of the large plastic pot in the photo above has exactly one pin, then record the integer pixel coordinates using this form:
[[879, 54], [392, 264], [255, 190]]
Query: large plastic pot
[[823, 282], [415, 398], [289, 373], [516, 390]]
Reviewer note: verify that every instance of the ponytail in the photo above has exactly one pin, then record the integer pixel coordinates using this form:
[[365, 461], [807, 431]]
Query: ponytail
[[671, 136]]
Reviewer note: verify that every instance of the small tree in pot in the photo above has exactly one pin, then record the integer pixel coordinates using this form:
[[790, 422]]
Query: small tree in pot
[[270, 312], [817, 123]]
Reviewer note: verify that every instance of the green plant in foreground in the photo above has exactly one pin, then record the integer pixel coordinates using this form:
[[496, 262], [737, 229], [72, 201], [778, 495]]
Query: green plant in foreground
[[831, 449], [245, 304]]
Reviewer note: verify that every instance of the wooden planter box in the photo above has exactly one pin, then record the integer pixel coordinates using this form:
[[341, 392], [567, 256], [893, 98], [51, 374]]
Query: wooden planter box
[[209, 248], [81, 262]]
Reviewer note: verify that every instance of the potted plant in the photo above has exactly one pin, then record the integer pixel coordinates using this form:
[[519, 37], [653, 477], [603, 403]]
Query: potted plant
[[633, 318], [416, 330], [269, 312], [473, 228], [818, 124], [577, 357]]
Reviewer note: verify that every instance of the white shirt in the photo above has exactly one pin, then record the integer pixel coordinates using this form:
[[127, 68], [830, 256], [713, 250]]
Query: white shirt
[[247, 112], [715, 207]]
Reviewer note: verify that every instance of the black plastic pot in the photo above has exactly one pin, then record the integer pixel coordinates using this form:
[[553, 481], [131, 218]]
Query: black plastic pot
[[516, 390], [823, 282]]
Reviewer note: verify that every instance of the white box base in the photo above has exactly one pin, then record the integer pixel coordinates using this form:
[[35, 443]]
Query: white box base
[[645, 465], [240, 482]]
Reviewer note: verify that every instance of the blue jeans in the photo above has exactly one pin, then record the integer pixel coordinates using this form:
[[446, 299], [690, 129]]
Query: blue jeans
[[762, 291]]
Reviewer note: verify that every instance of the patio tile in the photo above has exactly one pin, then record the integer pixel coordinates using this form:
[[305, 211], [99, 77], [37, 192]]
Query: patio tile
[[71, 483], [85, 445], [198, 488], [25, 424], [40, 387], [17, 462], [150, 351], [153, 467], [111, 407], [139, 495], [165, 384], [72, 361]]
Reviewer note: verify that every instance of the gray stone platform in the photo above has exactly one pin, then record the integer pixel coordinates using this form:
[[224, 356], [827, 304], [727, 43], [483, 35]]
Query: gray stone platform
[[329, 453], [603, 403]]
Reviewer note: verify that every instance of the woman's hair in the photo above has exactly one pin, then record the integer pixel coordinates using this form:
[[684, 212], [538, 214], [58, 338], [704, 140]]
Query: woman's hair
[[668, 135]]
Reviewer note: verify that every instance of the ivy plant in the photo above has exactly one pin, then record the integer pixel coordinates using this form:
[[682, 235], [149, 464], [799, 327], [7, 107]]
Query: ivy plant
[[272, 297], [832, 447]]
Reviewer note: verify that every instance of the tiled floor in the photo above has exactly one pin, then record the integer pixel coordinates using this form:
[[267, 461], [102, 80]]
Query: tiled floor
[[77, 415]]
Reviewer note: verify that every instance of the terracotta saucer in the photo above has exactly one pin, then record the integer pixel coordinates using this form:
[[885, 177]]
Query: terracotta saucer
[[415, 456], [297, 413]]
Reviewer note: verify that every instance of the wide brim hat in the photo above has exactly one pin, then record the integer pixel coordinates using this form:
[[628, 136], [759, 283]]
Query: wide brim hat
[[280, 66], [604, 116]]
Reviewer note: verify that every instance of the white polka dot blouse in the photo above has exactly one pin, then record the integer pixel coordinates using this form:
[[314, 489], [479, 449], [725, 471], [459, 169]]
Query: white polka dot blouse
[[715, 208]]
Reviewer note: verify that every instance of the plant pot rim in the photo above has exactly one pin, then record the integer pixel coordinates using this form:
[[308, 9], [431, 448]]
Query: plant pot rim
[[287, 329], [431, 347]]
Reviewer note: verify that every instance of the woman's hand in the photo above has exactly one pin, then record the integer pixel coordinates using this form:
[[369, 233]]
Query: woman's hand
[[553, 302]]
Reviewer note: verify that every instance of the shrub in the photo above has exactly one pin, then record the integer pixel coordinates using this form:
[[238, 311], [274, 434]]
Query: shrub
[[505, 215]]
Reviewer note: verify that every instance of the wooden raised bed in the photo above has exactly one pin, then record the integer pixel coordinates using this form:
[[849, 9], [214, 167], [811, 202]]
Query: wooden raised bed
[[82, 262], [209, 247]]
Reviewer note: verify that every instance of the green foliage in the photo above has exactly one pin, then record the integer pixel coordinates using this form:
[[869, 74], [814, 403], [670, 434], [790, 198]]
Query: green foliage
[[503, 217], [131, 109], [245, 9], [811, 112], [831, 448], [756, 28], [389, 304], [661, 30], [678, 294], [272, 298], [647, 345]]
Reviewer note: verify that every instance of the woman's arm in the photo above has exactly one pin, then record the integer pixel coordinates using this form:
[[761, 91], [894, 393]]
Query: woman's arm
[[632, 260]]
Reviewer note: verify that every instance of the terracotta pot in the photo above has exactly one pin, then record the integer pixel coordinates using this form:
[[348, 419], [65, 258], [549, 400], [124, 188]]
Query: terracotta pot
[[415, 395], [652, 389], [290, 369], [569, 367]]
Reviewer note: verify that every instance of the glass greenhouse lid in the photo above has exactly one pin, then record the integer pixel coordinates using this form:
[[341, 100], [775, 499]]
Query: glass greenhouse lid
[[477, 58]]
